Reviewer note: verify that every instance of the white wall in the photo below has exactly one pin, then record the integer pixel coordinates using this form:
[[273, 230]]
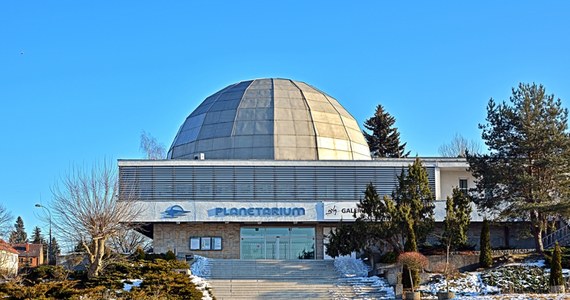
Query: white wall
[[9, 262], [449, 179]]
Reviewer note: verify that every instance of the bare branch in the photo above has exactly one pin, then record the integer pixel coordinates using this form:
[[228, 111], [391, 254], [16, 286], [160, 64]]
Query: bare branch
[[85, 209], [128, 240], [459, 146], [5, 221], [151, 148]]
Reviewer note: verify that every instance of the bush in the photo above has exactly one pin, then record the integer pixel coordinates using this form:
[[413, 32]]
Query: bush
[[47, 272], [413, 262], [139, 254], [565, 257], [44, 290], [170, 255], [159, 282], [389, 257]]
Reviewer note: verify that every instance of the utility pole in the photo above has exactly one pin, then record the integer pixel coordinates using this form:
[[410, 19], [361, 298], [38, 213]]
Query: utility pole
[[49, 217]]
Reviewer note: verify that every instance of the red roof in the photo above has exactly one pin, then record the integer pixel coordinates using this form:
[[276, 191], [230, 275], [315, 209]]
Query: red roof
[[28, 250], [5, 247]]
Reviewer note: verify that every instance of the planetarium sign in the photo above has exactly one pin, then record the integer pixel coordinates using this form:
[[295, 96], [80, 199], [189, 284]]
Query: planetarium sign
[[259, 211]]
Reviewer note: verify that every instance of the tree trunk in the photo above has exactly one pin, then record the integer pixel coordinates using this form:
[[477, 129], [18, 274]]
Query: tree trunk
[[537, 228], [411, 279], [96, 258], [447, 265]]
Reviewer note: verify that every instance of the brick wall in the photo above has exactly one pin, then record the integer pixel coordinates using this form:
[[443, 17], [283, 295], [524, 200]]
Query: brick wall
[[176, 237]]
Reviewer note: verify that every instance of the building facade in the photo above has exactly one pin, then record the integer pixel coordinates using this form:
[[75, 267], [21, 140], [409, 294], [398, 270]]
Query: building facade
[[265, 169], [29, 255], [8, 259]]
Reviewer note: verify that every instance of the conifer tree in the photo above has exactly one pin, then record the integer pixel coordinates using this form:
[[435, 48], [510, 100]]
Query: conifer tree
[[457, 219], [19, 235], [400, 221], [410, 246], [525, 173], [37, 237], [414, 200], [485, 255], [556, 267], [384, 139]]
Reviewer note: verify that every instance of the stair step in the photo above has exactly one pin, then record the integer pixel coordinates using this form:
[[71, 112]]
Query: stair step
[[285, 279]]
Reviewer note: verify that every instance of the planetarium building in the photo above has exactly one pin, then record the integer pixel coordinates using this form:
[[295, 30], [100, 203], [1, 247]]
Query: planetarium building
[[264, 169]]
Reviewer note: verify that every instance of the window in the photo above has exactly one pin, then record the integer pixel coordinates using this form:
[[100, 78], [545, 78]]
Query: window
[[463, 185]]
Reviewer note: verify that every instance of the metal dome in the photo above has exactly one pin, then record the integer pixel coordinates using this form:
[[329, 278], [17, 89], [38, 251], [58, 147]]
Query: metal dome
[[278, 119]]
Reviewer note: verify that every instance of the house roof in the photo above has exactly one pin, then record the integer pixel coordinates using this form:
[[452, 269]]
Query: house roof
[[33, 250], [6, 247]]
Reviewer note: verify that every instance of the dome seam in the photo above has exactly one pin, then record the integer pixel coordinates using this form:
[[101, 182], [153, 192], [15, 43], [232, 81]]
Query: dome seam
[[311, 116]]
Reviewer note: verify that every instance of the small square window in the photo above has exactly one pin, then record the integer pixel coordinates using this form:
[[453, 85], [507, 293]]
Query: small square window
[[463, 185]]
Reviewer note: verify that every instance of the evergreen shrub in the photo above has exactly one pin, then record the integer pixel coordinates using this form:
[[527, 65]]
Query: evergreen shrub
[[556, 267]]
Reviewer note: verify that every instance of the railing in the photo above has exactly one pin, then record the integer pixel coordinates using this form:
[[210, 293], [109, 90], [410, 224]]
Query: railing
[[561, 235]]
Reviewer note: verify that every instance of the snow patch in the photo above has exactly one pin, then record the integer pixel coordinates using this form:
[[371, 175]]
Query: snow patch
[[351, 267], [355, 273], [129, 283], [201, 268], [530, 278]]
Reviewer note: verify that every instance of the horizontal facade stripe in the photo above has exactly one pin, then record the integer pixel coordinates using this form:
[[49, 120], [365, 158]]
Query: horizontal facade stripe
[[258, 183]]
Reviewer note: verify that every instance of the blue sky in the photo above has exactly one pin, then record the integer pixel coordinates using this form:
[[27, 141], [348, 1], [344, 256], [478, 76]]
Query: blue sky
[[80, 81]]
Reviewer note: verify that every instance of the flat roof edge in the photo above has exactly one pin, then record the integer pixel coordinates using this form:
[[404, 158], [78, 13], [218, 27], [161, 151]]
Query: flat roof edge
[[388, 162]]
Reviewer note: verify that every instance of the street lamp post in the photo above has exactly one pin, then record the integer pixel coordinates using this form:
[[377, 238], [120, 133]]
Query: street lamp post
[[49, 216]]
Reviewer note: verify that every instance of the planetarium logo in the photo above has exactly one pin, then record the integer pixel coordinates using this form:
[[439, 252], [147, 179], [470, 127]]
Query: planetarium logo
[[174, 211]]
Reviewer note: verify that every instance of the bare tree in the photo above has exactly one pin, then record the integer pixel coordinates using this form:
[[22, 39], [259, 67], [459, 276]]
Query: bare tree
[[86, 211], [151, 147], [5, 221], [459, 146], [128, 240]]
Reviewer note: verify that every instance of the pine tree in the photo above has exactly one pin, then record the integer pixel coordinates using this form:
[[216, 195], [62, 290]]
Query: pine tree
[[37, 237], [415, 201], [524, 174], [19, 235], [384, 140], [485, 256]]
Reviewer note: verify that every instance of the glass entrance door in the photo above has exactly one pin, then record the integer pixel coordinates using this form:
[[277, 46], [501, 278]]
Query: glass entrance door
[[273, 248], [277, 243]]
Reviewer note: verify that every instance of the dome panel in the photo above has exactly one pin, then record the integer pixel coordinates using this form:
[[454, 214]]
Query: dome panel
[[277, 119]]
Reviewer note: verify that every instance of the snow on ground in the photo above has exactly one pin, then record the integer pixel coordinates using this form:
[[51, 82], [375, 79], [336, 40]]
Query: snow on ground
[[129, 283], [201, 268], [517, 297], [468, 284], [533, 263], [351, 267], [357, 272], [529, 278]]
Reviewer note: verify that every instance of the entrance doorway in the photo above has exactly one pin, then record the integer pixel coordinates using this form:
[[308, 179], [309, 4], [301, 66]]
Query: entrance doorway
[[277, 243]]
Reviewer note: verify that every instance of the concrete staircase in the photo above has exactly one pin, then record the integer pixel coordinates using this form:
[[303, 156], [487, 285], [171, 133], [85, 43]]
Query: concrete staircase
[[283, 279]]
